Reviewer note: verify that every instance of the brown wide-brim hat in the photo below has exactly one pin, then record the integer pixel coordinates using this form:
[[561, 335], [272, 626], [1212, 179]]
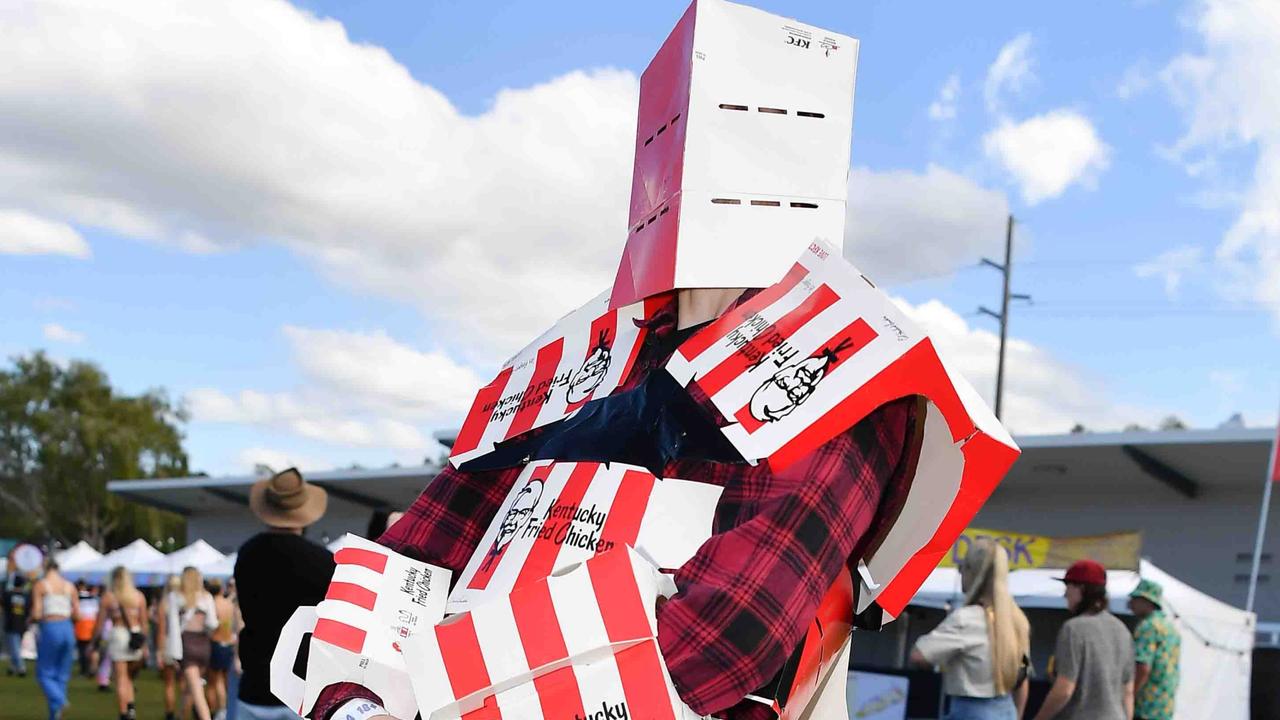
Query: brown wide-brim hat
[[285, 500]]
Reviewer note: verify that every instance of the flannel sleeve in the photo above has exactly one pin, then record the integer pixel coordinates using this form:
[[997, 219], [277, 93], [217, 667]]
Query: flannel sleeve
[[748, 595], [442, 527]]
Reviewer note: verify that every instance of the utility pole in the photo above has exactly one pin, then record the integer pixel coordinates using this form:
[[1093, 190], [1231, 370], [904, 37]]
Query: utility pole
[[1003, 316]]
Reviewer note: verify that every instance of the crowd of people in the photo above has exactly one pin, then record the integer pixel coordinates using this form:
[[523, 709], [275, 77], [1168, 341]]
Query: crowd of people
[[185, 630], [1098, 670]]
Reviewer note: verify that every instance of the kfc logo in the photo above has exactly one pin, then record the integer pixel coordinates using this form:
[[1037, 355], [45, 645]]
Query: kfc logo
[[515, 519], [791, 386], [593, 371]]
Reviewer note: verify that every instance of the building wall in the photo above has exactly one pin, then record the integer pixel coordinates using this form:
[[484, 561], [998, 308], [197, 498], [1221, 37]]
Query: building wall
[[227, 531], [1206, 542]]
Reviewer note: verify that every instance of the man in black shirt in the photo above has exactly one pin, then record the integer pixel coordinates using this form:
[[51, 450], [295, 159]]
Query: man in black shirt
[[17, 610], [276, 572]]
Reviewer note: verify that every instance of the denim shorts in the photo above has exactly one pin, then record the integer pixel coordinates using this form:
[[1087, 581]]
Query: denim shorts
[[969, 708]]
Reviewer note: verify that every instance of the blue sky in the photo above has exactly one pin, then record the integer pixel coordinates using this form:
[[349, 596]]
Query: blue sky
[[323, 224]]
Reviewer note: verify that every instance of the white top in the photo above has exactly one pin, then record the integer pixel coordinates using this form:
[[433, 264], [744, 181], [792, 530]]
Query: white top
[[56, 605], [182, 619], [961, 648]]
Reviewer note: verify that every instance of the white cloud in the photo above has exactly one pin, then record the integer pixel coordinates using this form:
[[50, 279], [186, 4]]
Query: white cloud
[[493, 224], [1010, 73], [1048, 153], [1230, 95], [22, 233], [938, 219], [53, 332], [248, 459], [304, 417], [1134, 82], [359, 390], [1042, 393], [1170, 266], [943, 107], [375, 371]]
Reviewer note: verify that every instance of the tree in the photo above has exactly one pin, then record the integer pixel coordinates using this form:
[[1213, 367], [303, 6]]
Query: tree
[[65, 432], [1173, 422]]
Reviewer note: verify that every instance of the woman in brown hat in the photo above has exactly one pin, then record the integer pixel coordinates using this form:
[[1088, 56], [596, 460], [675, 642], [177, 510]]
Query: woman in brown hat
[[276, 571]]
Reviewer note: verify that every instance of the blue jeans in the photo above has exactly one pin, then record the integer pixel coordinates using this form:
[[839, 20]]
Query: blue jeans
[[13, 644], [968, 708], [55, 651]]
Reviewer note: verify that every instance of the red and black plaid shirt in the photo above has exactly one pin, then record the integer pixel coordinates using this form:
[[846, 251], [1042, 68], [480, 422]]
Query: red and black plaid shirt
[[747, 597]]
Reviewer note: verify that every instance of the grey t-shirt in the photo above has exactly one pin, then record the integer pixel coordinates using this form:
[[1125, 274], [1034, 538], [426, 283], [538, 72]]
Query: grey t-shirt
[[1096, 652]]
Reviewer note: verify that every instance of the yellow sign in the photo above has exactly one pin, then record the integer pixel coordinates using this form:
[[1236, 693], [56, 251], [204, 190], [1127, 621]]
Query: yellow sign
[[1116, 551]]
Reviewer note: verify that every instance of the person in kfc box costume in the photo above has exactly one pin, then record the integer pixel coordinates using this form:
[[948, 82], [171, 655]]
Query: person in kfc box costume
[[741, 164]]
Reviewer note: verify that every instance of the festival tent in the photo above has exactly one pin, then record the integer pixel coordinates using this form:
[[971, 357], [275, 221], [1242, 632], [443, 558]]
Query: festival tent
[[199, 554], [78, 554], [222, 569], [132, 556], [1217, 638]]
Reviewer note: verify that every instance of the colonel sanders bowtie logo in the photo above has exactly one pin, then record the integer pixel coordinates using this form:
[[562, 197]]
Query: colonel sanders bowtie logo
[[516, 518], [791, 386], [592, 372]]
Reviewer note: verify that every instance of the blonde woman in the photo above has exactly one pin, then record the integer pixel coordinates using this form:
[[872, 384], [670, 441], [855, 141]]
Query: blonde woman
[[167, 663], [984, 647], [54, 601], [126, 607], [190, 619]]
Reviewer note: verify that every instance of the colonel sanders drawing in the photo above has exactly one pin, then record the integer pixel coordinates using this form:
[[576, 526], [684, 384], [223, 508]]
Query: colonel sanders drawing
[[592, 372], [515, 519], [791, 386]]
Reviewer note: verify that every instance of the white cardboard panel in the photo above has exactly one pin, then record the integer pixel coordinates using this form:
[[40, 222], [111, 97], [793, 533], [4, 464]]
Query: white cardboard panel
[[747, 57]]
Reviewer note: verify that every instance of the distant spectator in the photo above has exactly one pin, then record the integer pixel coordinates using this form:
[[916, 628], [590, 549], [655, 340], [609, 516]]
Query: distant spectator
[[126, 635], [1093, 657], [167, 663], [1156, 650], [17, 613], [190, 619], [276, 572], [86, 619], [54, 602], [224, 651], [984, 647]]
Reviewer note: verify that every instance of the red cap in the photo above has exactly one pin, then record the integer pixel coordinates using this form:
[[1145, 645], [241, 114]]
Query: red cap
[[1086, 572]]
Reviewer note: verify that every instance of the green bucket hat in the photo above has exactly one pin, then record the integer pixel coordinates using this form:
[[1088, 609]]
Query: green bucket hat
[[1149, 590]]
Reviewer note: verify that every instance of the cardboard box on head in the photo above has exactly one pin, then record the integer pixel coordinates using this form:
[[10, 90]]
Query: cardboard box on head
[[741, 154]]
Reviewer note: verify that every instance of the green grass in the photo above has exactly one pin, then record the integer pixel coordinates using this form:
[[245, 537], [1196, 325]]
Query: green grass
[[21, 699]]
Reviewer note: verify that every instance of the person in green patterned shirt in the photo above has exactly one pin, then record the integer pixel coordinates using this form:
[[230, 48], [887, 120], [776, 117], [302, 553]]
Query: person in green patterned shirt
[[1156, 647]]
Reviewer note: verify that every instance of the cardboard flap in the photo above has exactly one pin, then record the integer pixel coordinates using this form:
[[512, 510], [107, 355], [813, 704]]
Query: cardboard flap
[[585, 355], [598, 612], [560, 514], [376, 599], [807, 359], [287, 683]]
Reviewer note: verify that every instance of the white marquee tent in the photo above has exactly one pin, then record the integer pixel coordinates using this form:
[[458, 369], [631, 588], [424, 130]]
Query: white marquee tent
[[78, 554], [132, 556], [1217, 638], [199, 554]]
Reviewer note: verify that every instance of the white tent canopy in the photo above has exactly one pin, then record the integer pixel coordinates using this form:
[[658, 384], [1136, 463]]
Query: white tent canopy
[[1217, 639], [222, 569], [131, 556], [199, 554], [78, 554]]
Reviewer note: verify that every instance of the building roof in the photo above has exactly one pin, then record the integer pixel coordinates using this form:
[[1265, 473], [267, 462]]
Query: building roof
[[387, 488], [1188, 462]]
